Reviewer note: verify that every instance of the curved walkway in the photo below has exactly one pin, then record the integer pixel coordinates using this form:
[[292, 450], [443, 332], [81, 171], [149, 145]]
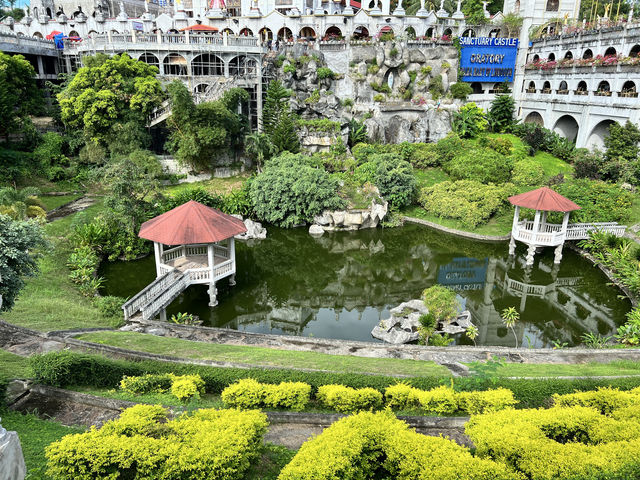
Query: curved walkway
[[459, 233]]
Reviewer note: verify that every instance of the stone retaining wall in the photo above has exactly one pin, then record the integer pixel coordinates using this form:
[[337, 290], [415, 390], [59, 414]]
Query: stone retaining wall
[[459, 233]]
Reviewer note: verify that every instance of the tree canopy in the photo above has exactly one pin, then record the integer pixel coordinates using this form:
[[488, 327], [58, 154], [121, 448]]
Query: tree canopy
[[277, 120], [200, 133], [17, 239], [107, 93], [19, 94]]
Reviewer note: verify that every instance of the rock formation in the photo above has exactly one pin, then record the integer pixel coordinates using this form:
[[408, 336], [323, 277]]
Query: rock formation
[[12, 465]]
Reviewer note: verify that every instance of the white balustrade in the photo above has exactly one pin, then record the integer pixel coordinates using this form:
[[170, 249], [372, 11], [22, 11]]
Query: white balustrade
[[224, 269], [221, 251], [196, 250], [550, 234]]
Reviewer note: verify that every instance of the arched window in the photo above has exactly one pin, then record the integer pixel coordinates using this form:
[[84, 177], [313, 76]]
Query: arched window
[[246, 32], [308, 33], [37, 35], [228, 31], [410, 33], [516, 7], [546, 87], [635, 51], [361, 32], [568, 55], [610, 52], [551, 57], [587, 55], [174, 64], [469, 33], [242, 66], [553, 5], [534, 117], [201, 88], [532, 87], [35, 12], [430, 32], [49, 13], [333, 32], [150, 59], [563, 89], [207, 64], [582, 88], [285, 34], [447, 33], [536, 58], [476, 87], [265, 34], [629, 89], [604, 89], [495, 33]]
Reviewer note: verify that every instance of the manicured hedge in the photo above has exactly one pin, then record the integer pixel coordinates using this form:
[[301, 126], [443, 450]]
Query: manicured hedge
[[248, 393], [62, 369], [144, 445], [348, 400], [377, 445]]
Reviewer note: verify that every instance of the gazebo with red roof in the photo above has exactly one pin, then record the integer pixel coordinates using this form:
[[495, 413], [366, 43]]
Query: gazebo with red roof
[[539, 233], [201, 244]]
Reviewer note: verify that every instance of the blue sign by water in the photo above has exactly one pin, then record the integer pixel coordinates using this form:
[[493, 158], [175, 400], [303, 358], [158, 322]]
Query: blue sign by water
[[486, 59]]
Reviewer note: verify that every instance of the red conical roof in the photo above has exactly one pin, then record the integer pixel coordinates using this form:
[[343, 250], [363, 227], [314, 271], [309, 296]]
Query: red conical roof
[[191, 223], [544, 199]]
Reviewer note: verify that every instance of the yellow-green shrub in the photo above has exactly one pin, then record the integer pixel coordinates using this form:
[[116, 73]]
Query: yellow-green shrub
[[439, 401], [487, 401], [348, 400], [559, 443], [184, 387], [146, 384], [397, 396], [291, 395], [377, 445], [249, 393], [143, 445], [604, 399]]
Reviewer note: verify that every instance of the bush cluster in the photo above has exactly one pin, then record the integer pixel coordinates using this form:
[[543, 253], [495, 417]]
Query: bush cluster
[[83, 264], [144, 444], [348, 400], [469, 201], [446, 401], [527, 172], [480, 164], [377, 445], [599, 201], [393, 176], [568, 441], [183, 387], [249, 393]]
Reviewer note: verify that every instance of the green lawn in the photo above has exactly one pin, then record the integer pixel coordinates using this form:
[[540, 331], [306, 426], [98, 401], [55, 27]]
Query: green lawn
[[265, 356], [579, 370], [35, 434], [56, 201], [215, 185], [498, 225], [430, 176], [13, 366], [50, 301]]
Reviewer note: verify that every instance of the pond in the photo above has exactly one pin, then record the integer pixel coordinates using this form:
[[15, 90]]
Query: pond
[[342, 284]]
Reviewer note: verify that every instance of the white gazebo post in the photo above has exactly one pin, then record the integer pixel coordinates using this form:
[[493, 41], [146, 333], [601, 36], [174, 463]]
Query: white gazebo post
[[213, 291], [232, 254], [158, 255], [532, 246], [563, 233], [512, 242]]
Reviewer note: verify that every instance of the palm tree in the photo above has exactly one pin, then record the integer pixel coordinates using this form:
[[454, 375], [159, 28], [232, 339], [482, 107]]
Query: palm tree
[[260, 148], [19, 204]]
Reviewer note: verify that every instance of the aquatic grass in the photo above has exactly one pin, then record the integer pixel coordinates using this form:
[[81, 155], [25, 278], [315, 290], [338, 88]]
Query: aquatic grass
[[265, 356]]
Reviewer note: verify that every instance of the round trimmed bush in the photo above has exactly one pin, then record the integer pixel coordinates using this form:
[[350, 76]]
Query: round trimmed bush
[[480, 164]]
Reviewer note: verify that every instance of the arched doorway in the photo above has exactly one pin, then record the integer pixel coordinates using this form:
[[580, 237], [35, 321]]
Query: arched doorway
[[207, 64], [333, 33], [37, 35], [635, 51], [49, 13], [447, 33], [308, 33], [431, 32], [387, 31], [410, 32], [246, 32], [568, 55], [532, 87], [265, 34], [551, 57], [563, 89], [242, 66], [588, 54], [598, 134], [495, 33], [610, 52], [536, 58], [534, 117], [476, 87], [150, 59], [361, 32], [174, 64], [285, 34], [228, 31], [567, 126]]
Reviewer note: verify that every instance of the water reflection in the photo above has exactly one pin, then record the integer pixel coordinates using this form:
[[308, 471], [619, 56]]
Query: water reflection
[[342, 284]]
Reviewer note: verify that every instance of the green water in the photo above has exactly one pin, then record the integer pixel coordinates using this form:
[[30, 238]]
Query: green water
[[342, 284]]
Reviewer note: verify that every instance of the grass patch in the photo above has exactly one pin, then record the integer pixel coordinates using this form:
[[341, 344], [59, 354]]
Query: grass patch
[[497, 225], [50, 301], [272, 460], [430, 176], [553, 166], [55, 201], [35, 434], [14, 366], [215, 185], [592, 369], [265, 356]]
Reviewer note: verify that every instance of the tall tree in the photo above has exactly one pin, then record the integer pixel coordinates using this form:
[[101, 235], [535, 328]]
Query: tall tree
[[260, 148], [277, 119], [19, 94], [110, 92], [17, 241]]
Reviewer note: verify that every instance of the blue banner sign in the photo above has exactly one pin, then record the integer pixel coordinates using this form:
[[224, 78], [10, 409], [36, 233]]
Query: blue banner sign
[[486, 59], [463, 274]]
